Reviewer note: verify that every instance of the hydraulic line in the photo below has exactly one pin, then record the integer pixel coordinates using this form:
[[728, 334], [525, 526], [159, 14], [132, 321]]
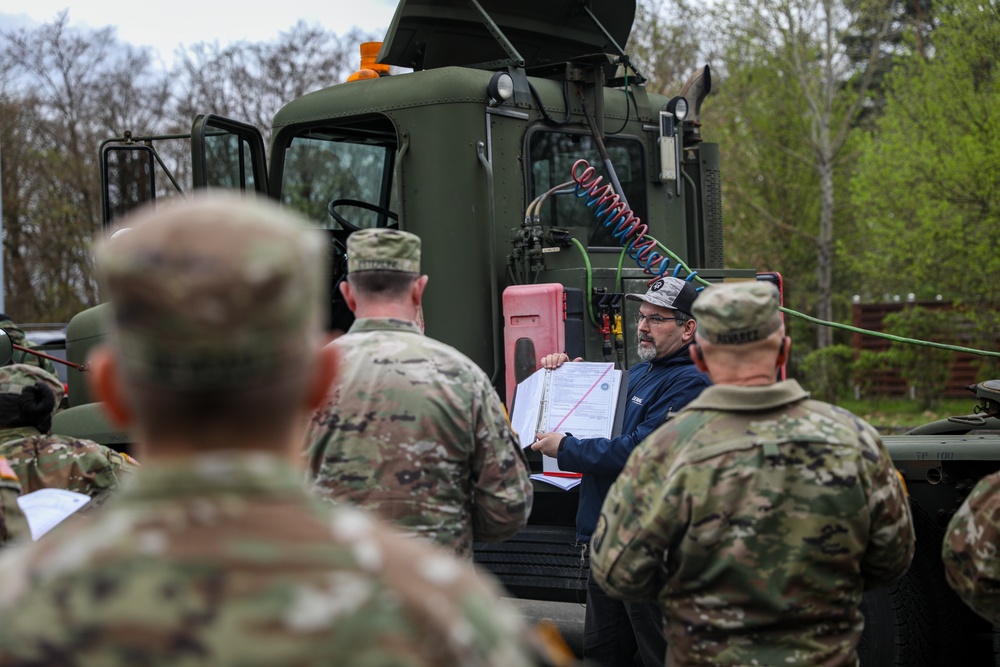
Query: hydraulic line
[[613, 212], [590, 279]]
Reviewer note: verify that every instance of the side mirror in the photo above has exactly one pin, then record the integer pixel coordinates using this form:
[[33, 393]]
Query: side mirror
[[6, 348]]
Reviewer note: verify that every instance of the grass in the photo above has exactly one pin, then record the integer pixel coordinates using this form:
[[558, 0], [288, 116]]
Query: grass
[[897, 415]]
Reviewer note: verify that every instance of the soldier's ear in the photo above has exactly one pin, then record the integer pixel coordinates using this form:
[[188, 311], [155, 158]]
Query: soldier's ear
[[418, 289], [105, 385], [348, 294], [784, 350], [698, 357]]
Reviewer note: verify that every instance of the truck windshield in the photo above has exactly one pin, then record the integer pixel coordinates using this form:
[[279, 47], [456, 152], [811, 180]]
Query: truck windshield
[[552, 155], [350, 172]]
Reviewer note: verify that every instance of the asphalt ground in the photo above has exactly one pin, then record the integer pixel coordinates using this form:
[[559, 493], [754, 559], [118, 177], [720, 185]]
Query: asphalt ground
[[568, 617]]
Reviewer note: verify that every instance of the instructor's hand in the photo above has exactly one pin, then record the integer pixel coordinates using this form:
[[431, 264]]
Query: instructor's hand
[[556, 359], [548, 443]]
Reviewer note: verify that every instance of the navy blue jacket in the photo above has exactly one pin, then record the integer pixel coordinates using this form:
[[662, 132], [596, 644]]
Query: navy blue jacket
[[655, 388]]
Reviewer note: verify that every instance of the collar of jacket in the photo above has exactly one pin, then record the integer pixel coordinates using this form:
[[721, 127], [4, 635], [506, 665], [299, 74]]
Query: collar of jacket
[[755, 398]]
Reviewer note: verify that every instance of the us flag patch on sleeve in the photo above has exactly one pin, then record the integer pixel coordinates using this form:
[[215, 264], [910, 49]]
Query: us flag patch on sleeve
[[6, 472]]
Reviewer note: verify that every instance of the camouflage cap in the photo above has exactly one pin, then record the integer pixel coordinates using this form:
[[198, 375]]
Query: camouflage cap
[[218, 291], [383, 250], [15, 377], [15, 332], [737, 313], [672, 293]]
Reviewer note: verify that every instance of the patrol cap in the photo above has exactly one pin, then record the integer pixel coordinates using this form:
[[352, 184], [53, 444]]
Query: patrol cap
[[215, 292], [737, 313], [383, 250], [672, 293], [14, 378]]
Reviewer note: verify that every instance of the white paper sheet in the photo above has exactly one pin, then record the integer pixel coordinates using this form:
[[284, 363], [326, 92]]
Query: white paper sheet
[[564, 483], [47, 508]]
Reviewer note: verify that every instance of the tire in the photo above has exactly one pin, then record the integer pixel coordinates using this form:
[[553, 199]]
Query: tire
[[896, 633], [919, 621]]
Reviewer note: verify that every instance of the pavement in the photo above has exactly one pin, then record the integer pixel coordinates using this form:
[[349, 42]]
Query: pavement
[[568, 617]]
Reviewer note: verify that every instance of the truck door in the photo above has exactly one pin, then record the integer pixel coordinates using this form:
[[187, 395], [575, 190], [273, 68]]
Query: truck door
[[226, 153]]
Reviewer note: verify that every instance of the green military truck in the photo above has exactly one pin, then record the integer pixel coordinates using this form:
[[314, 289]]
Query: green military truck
[[545, 182]]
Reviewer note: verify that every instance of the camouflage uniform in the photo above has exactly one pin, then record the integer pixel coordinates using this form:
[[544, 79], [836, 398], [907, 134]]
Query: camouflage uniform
[[225, 560], [13, 525], [757, 518], [221, 558], [57, 462], [970, 549], [17, 337], [414, 431], [44, 461]]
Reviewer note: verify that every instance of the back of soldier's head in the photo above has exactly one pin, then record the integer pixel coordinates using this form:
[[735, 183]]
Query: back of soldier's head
[[217, 296], [740, 323], [29, 396], [383, 263]]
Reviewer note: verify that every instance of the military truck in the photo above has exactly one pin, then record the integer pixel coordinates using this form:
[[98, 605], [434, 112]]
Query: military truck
[[545, 181], [543, 178]]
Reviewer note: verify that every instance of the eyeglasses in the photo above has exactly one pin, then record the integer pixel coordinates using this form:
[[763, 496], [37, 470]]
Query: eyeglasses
[[654, 320]]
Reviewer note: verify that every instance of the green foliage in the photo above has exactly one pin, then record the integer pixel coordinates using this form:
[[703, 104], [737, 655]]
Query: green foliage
[[928, 184], [899, 415], [786, 121], [926, 369], [864, 370], [827, 372]]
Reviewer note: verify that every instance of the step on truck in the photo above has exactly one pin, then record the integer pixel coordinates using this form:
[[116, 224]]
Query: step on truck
[[545, 182]]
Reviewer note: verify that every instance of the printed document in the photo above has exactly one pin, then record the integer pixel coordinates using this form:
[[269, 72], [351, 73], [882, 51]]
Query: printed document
[[578, 398], [46, 508]]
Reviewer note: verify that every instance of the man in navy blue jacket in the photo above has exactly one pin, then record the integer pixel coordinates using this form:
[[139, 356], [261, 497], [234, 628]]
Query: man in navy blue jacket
[[666, 380]]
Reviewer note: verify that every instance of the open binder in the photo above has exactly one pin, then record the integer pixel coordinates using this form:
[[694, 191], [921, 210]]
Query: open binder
[[584, 399]]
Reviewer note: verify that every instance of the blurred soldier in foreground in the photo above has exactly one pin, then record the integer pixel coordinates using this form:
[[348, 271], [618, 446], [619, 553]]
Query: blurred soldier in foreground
[[49, 461], [413, 430], [757, 517], [13, 525], [970, 549], [214, 554]]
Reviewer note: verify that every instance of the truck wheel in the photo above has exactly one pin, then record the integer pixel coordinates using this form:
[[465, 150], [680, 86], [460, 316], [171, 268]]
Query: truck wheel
[[896, 634], [952, 624]]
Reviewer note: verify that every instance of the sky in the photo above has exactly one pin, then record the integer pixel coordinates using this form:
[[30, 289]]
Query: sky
[[188, 22]]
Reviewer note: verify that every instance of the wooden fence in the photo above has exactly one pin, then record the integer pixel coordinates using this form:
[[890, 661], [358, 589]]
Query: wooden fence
[[964, 366]]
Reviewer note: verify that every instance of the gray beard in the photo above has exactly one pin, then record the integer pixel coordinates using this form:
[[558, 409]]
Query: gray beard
[[646, 353]]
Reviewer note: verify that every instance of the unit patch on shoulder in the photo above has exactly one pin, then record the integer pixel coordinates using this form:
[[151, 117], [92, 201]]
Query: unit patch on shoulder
[[6, 472]]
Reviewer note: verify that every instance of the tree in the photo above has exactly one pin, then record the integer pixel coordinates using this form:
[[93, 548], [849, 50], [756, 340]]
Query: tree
[[62, 91], [664, 43], [251, 81], [794, 91], [928, 185]]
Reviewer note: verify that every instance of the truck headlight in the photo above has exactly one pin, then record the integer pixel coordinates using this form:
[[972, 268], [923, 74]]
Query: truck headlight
[[500, 89], [678, 106]]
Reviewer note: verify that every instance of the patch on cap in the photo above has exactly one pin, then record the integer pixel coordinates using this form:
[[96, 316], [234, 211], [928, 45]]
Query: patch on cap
[[672, 293], [738, 313], [383, 250], [213, 292]]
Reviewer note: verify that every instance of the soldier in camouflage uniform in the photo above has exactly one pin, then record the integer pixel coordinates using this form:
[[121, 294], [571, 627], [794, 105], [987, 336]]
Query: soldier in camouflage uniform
[[49, 461], [756, 517], [970, 549], [214, 554], [17, 337], [13, 525], [413, 430]]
